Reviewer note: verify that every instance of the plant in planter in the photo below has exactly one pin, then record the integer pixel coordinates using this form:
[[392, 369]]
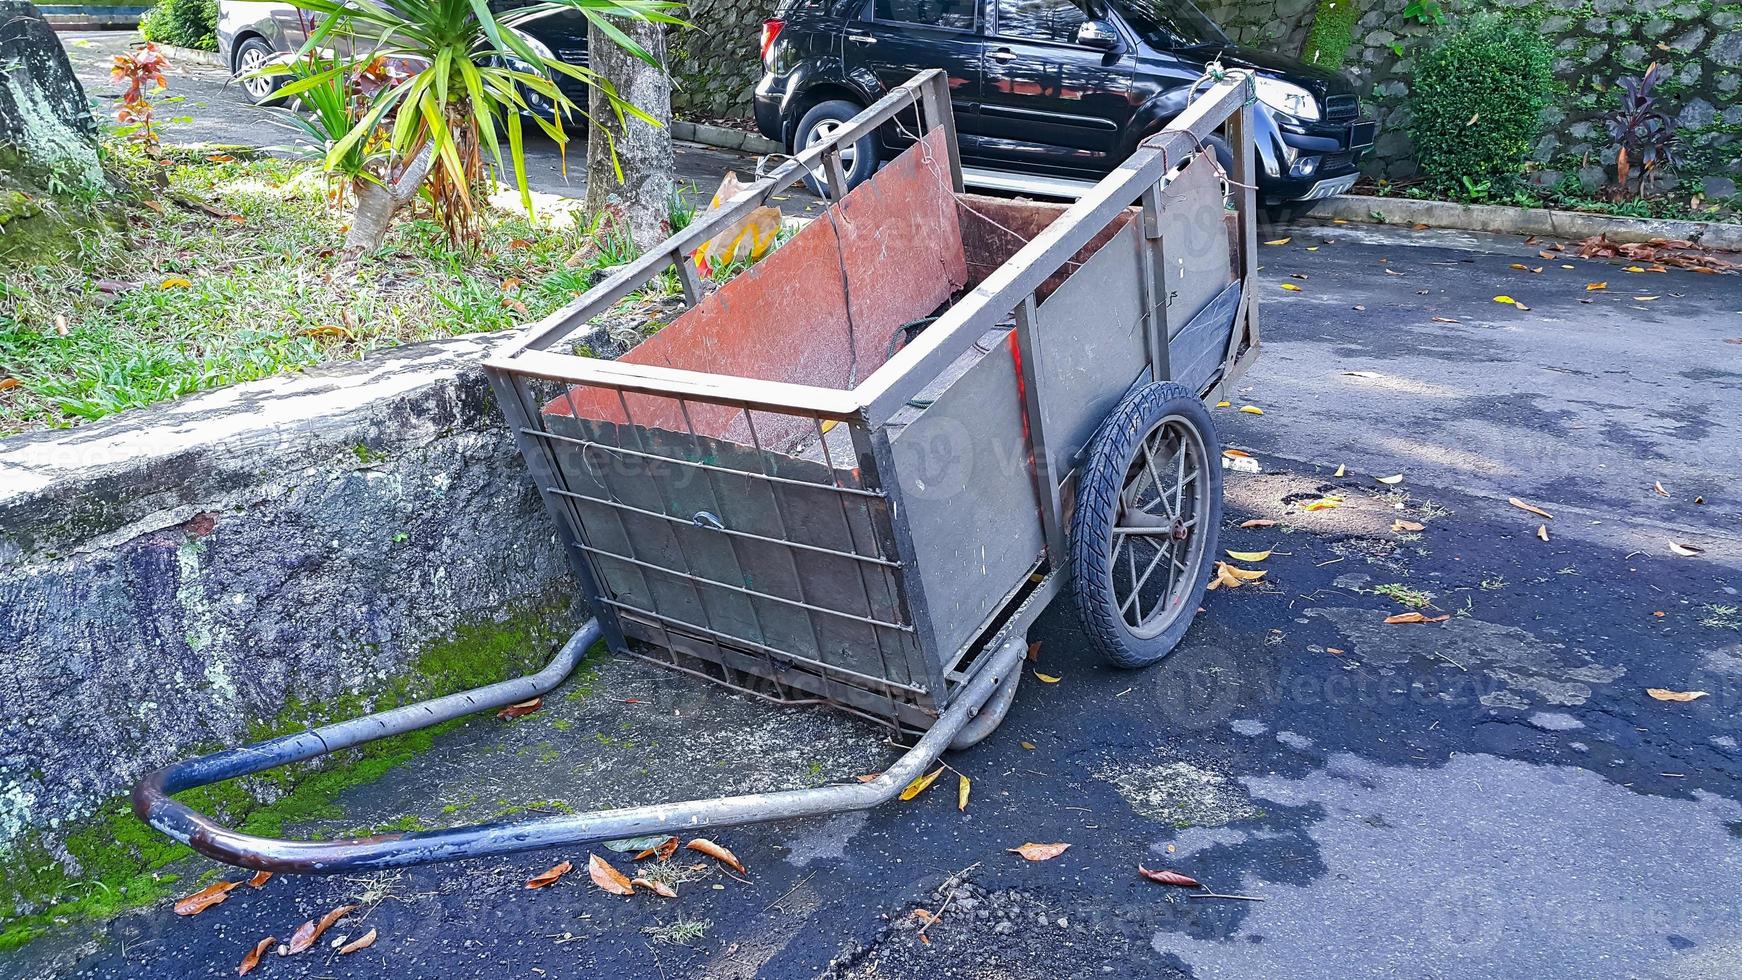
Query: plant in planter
[[1642, 132]]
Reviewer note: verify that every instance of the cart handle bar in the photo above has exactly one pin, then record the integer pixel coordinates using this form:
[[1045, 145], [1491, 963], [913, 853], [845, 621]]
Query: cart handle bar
[[154, 803]]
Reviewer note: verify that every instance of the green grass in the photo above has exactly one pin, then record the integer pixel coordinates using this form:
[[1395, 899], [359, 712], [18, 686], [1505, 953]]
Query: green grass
[[264, 294], [1332, 34], [1398, 592]]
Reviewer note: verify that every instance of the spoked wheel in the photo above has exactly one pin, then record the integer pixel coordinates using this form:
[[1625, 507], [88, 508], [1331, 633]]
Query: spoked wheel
[[1148, 508]]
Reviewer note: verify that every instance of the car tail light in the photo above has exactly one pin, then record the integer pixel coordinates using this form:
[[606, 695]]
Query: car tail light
[[770, 31]]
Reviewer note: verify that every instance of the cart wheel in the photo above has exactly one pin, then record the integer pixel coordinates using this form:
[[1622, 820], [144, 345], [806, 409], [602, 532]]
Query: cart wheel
[[1148, 509]]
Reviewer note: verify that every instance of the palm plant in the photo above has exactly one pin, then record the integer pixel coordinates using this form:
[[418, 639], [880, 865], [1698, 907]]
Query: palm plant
[[330, 109], [461, 94]]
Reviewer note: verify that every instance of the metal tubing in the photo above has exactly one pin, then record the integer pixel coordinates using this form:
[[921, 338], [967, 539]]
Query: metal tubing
[[153, 803]]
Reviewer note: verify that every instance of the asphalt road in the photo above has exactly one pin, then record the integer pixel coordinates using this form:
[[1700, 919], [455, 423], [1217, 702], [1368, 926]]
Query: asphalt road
[[1491, 796]]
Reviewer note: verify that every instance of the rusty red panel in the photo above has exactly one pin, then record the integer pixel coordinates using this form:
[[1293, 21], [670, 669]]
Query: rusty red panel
[[890, 253]]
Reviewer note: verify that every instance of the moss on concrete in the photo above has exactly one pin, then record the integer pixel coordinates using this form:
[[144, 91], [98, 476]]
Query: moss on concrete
[[111, 862]]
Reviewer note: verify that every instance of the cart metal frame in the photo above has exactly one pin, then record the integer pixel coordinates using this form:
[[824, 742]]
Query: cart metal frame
[[945, 693]]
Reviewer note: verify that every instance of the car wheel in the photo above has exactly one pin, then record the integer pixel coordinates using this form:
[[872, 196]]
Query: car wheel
[[823, 120], [251, 55]]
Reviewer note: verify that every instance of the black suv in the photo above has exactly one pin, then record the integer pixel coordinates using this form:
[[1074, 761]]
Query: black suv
[[1048, 89]]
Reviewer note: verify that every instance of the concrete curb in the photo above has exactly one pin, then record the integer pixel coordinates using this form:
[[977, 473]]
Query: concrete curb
[[184, 56], [723, 138], [1526, 221]]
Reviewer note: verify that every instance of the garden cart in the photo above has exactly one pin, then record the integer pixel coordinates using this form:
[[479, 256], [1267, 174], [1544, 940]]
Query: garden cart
[[856, 471]]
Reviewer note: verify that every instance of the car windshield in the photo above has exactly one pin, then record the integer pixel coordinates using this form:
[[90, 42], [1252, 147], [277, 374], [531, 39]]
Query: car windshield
[[1171, 23]]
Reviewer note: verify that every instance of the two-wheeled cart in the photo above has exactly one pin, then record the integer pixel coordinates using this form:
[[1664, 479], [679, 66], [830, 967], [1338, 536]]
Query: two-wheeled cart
[[857, 471]]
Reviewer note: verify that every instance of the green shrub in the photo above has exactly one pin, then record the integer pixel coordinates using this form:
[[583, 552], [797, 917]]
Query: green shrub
[[1477, 100], [184, 23]]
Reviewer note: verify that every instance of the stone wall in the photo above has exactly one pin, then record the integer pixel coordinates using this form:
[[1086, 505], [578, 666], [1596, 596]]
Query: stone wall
[[1596, 42], [715, 61], [174, 577]]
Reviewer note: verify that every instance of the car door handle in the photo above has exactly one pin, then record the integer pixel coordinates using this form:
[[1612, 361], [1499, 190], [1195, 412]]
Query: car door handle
[[1004, 54], [861, 39]]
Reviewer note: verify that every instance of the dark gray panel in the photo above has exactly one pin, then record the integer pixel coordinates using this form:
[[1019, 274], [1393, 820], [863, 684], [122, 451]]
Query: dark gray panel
[[1197, 351], [967, 493], [1090, 339]]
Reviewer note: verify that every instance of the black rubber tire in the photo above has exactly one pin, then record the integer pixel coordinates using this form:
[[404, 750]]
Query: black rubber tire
[[1112, 453], [273, 82], [864, 150]]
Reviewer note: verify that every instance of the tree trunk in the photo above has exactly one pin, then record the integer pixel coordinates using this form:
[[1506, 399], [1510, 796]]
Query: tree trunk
[[378, 203], [641, 201]]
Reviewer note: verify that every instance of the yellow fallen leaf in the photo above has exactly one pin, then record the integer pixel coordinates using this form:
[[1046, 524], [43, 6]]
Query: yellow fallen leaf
[[1402, 525], [1223, 404], [1248, 555], [1644, 299], [1390, 481], [1281, 241], [1634, 268], [1531, 508], [1046, 678], [962, 792], [1243, 574], [1341, 469], [1237, 454], [1291, 287], [1664, 694], [918, 785], [1028, 745], [1334, 221], [1251, 409], [1542, 531], [1224, 577], [1686, 550], [176, 282], [1414, 617], [1039, 852], [1505, 299], [1323, 503], [1592, 287], [831, 423]]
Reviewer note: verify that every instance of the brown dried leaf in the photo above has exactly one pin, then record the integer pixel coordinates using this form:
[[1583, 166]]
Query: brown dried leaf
[[1039, 852], [1402, 525], [310, 932], [1034, 652], [205, 898], [1542, 531], [1686, 550], [659, 888], [607, 877], [1258, 522], [665, 849], [260, 878], [869, 777], [720, 854], [7, 384], [364, 941], [1414, 617], [1658, 488], [1169, 878], [1531, 508], [1390, 481], [549, 876], [1664, 694], [252, 960], [521, 709], [1341, 469]]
